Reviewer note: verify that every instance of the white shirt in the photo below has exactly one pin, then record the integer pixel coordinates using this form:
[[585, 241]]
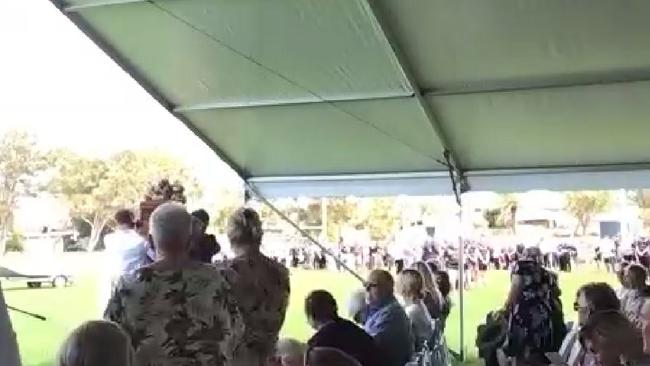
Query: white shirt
[[125, 250], [607, 247], [9, 355]]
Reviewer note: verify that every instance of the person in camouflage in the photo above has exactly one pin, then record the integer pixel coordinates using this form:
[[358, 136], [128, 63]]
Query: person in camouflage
[[177, 311]]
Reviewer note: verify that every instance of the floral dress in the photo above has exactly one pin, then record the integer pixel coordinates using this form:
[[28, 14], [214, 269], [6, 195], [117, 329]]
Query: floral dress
[[632, 305], [185, 317], [261, 287], [530, 330]]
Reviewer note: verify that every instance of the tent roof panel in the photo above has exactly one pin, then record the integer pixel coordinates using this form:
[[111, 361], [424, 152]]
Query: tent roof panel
[[313, 93], [551, 127], [351, 137], [470, 44], [252, 52]]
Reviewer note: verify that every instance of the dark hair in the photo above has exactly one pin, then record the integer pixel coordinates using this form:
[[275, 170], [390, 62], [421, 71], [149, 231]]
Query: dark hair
[[202, 215], [444, 284], [320, 305], [600, 297], [637, 275], [433, 267], [615, 336], [125, 217], [620, 274]]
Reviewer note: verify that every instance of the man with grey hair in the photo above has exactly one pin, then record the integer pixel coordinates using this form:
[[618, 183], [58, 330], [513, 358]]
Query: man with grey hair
[[196, 319], [170, 227]]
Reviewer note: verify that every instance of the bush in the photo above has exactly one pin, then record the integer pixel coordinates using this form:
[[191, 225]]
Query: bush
[[14, 243]]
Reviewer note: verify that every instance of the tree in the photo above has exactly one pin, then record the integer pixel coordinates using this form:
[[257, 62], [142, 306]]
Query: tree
[[228, 201], [96, 188], [641, 198], [585, 205], [20, 163], [340, 211], [382, 218], [508, 212]]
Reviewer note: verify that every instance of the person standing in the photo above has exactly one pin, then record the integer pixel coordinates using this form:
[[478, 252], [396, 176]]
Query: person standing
[[334, 332], [261, 287], [386, 321], [203, 246], [126, 251], [530, 309], [608, 252], [177, 311], [401, 249]]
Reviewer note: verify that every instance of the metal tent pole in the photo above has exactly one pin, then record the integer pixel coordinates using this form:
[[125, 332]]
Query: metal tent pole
[[251, 189], [461, 291], [459, 186]]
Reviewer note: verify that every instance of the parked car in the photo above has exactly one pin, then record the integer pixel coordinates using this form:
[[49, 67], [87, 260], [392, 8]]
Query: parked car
[[36, 276]]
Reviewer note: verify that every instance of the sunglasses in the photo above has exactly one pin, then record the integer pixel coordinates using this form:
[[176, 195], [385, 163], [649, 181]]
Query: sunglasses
[[577, 307]]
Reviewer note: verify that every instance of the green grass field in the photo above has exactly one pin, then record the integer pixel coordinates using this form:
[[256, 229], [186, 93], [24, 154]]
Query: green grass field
[[68, 307]]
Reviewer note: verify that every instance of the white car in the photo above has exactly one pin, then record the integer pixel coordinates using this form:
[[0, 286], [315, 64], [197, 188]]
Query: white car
[[35, 277]]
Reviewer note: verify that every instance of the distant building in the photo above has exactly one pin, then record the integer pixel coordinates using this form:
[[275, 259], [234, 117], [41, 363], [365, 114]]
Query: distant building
[[33, 214]]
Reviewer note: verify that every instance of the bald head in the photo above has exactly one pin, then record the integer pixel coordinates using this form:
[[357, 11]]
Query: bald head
[[381, 278], [170, 228], [380, 286]]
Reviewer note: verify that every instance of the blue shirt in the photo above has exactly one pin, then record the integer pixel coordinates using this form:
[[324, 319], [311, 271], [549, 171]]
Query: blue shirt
[[390, 328]]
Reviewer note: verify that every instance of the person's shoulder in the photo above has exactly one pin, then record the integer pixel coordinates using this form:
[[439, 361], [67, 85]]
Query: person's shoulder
[[395, 310], [523, 266], [276, 267], [208, 270]]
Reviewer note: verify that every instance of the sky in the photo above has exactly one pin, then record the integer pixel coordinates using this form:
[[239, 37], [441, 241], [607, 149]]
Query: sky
[[57, 84]]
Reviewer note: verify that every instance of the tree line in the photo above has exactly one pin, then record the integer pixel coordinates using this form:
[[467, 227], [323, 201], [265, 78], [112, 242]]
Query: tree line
[[94, 188]]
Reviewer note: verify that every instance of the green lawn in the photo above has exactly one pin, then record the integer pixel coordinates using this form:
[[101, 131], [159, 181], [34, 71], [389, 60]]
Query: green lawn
[[66, 308]]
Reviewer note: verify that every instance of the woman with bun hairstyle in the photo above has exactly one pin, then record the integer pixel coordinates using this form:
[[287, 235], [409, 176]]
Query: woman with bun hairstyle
[[261, 287]]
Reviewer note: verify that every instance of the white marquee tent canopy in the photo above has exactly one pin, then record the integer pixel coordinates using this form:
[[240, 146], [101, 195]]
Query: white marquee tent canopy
[[334, 97]]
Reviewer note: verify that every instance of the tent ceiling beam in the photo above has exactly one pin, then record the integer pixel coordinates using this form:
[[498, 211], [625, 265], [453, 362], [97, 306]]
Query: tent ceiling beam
[[614, 176], [289, 102], [97, 4], [442, 174], [560, 82], [400, 58]]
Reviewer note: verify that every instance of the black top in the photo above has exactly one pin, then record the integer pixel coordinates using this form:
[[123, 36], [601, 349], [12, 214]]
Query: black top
[[348, 337], [204, 249]]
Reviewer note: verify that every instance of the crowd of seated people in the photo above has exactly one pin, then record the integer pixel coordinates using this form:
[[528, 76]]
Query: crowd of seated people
[[612, 328]]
